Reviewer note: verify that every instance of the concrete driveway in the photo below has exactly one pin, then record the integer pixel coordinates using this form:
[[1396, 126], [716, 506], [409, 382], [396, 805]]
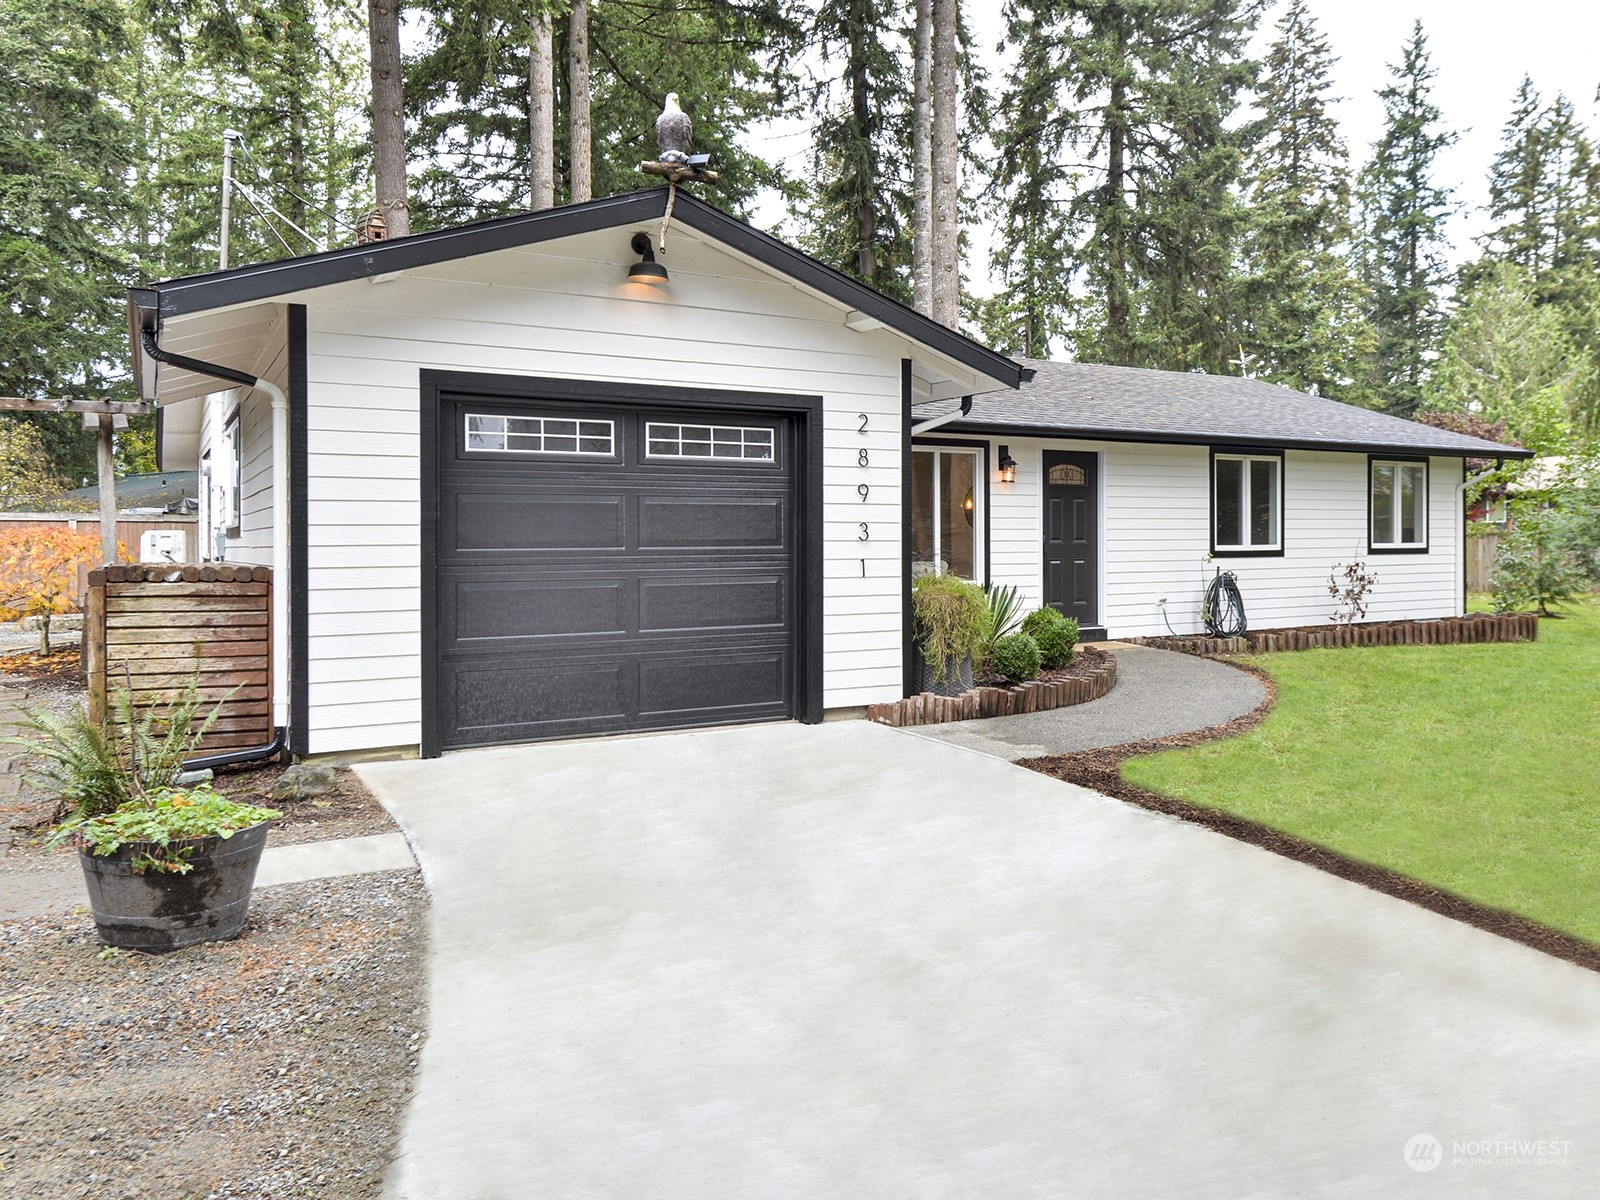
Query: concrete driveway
[[846, 961]]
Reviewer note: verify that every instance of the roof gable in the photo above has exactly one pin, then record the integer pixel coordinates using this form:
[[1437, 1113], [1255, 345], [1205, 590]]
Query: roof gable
[[265, 281]]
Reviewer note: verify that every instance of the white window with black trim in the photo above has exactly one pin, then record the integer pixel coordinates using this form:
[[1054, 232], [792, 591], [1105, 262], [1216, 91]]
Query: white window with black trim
[[1247, 503], [947, 517], [1399, 505]]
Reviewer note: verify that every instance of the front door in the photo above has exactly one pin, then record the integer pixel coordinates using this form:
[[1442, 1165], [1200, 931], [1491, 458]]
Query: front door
[[1072, 538]]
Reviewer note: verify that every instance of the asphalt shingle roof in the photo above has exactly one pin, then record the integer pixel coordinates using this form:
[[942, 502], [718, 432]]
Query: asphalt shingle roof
[[1130, 403]]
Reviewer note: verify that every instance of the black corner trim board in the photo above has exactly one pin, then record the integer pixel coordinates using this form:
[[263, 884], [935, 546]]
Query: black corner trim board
[[299, 525], [907, 650], [437, 385], [262, 281]]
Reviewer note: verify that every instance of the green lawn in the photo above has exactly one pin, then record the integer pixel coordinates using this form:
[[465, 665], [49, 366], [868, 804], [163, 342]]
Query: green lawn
[[1475, 769]]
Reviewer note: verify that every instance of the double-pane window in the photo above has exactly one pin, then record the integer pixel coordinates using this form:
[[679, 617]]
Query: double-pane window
[[1246, 496], [1399, 505]]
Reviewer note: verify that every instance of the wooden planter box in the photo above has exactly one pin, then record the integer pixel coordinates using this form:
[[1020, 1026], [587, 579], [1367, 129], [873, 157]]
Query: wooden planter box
[[155, 625]]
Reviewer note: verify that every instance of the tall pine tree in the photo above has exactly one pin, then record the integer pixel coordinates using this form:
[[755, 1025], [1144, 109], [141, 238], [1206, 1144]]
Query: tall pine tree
[[1301, 304], [64, 153], [1404, 211], [1148, 91], [860, 202], [468, 92]]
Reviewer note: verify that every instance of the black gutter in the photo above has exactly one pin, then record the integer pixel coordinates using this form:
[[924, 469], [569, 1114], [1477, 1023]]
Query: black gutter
[[197, 366], [234, 758], [1142, 437], [182, 361], [262, 281]]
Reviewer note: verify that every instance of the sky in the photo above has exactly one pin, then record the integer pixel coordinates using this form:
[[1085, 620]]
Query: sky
[[1480, 52]]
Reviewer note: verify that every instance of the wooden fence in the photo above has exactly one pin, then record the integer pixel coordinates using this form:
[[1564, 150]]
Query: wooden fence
[[154, 628], [1481, 552]]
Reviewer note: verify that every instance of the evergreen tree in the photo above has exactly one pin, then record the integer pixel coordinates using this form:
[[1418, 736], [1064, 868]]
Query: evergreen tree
[[1544, 190], [64, 152], [292, 76], [1404, 216], [1031, 183], [859, 208], [1301, 304], [468, 91], [1148, 90], [1508, 358]]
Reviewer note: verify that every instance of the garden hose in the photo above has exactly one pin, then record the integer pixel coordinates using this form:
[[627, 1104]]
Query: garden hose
[[1224, 607]]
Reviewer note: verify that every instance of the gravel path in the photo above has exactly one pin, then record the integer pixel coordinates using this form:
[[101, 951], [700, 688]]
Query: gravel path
[[276, 1065], [1158, 694]]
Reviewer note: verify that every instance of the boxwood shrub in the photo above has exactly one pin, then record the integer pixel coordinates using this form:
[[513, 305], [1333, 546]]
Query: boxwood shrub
[[1055, 634], [1016, 657]]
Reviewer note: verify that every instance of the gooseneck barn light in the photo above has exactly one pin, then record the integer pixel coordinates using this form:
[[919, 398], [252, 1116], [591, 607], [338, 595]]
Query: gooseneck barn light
[[647, 269]]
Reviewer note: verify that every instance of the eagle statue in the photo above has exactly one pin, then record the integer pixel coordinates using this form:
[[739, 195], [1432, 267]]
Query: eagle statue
[[673, 131]]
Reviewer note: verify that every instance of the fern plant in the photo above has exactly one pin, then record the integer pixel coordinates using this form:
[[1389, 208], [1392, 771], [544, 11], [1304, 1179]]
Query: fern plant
[[97, 766]]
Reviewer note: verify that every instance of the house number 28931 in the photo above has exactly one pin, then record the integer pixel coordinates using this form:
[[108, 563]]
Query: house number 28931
[[863, 490]]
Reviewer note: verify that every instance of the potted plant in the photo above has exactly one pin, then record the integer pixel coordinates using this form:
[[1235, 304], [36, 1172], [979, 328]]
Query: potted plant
[[166, 866], [952, 624]]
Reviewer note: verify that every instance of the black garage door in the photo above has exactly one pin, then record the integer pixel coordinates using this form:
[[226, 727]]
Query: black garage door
[[602, 569]]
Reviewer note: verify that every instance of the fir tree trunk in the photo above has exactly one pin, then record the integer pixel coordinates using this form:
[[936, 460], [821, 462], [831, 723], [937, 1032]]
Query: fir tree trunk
[[866, 220], [945, 244], [582, 185], [922, 162], [1116, 226], [541, 113], [388, 115]]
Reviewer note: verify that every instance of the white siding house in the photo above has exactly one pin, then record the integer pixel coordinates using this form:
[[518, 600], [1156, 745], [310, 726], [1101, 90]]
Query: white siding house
[[527, 496]]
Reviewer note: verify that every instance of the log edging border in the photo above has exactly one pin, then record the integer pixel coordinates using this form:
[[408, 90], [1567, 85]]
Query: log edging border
[[1441, 631], [1036, 696]]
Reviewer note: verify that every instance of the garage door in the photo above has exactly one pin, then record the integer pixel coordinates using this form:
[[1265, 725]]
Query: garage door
[[604, 569]]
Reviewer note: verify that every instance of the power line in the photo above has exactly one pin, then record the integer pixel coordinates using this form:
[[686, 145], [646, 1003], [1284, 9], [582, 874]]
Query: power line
[[268, 181]]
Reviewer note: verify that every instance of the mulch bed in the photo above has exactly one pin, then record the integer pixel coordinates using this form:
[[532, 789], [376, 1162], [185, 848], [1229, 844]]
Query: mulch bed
[[1086, 661], [61, 666], [1101, 771]]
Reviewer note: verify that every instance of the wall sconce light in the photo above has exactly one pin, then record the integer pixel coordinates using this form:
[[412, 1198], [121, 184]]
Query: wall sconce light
[[647, 269], [1008, 466]]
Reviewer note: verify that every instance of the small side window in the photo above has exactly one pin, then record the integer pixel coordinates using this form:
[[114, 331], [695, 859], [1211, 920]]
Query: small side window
[[1399, 502], [1246, 491]]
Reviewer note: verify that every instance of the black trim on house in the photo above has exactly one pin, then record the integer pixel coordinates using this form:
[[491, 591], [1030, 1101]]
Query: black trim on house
[[1244, 517], [982, 446], [997, 431], [299, 522], [907, 622], [436, 385], [1427, 505], [262, 281]]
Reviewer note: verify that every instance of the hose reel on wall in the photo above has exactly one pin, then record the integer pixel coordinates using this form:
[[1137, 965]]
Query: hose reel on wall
[[1223, 609]]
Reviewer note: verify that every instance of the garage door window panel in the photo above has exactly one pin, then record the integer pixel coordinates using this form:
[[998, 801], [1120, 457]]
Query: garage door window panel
[[717, 443], [584, 437]]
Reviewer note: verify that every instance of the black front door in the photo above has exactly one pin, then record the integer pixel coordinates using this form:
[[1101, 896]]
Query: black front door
[[1072, 538]]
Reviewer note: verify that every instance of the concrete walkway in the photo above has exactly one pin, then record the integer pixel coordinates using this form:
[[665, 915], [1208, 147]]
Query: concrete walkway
[[1158, 693], [843, 960], [59, 887]]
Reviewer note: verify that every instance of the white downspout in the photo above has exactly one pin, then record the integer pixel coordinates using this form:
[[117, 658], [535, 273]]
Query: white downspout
[[1461, 523]]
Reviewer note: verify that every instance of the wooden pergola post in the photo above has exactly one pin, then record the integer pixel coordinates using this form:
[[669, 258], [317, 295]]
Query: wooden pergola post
[[106, 470], [105, 463]]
